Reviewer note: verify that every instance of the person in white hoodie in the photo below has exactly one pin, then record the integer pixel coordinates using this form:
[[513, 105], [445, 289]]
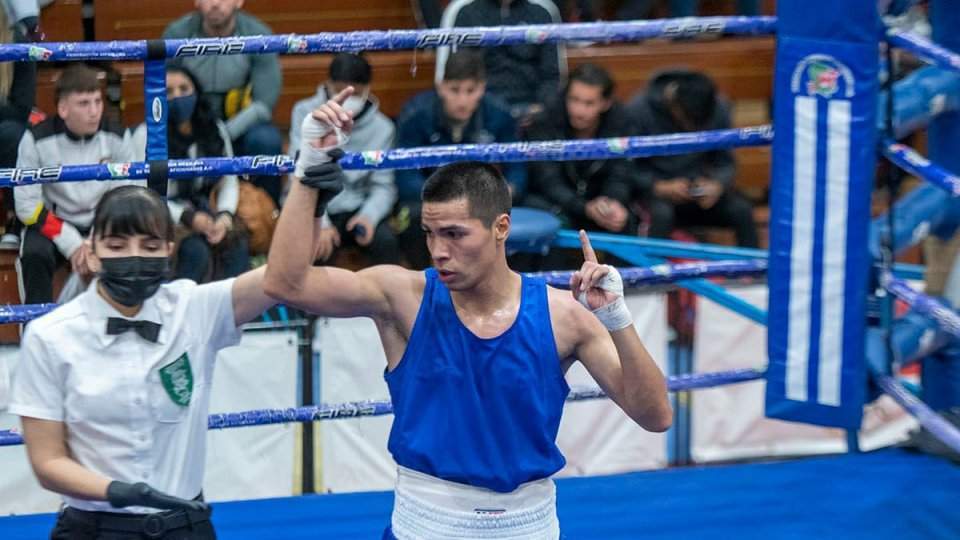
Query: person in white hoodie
[[357, 216], [58, 215]]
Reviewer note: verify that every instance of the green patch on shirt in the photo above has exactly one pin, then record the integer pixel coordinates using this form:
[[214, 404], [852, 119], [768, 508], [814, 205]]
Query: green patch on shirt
[[177, 379]]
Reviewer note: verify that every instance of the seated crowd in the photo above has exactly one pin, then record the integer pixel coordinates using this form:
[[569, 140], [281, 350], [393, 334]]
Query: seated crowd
[[223, 106]]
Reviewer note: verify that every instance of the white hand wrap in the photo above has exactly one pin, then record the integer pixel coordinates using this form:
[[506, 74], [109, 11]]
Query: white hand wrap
[[311, 131], [615, 315]]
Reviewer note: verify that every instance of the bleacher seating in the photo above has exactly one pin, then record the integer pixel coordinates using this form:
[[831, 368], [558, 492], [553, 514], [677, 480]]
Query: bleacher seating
[[114, 19], [742, 67], [63, 20]]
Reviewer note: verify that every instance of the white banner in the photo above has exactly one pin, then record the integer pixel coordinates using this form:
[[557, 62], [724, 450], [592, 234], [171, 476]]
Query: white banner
[[242, 463], [596, 437], [728, 422]]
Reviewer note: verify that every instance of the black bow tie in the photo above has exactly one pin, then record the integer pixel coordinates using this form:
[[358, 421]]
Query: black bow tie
[[149, 331]]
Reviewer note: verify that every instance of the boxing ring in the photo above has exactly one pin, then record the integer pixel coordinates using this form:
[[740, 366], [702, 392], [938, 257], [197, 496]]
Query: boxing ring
[[827, 85]]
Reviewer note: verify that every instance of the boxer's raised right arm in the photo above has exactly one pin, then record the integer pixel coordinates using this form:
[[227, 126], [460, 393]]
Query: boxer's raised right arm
[[323, 290]]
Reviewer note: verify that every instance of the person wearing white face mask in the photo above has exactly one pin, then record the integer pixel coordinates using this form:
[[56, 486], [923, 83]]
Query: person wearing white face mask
[[356, 217]]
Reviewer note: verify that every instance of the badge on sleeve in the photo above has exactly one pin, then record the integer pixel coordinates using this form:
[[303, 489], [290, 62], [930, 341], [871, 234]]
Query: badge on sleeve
[[177, 379]]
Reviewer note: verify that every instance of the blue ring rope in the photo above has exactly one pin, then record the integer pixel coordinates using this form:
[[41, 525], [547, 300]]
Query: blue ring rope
[[916, 164], [379, 40], [945, 317], [924, 49], [935, 424], [357, 409], [411, 158], [632, 277]]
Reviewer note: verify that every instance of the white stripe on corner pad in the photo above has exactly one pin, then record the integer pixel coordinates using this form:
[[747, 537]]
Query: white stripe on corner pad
[[834, 253], [801, 252]]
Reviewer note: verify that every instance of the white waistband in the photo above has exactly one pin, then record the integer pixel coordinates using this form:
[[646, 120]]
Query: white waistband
[[429, 508]]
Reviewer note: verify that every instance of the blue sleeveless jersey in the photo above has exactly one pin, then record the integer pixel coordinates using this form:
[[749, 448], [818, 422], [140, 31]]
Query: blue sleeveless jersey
[[483, 412]]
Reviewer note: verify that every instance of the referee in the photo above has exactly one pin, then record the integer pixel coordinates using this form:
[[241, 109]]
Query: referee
[[113, 388]]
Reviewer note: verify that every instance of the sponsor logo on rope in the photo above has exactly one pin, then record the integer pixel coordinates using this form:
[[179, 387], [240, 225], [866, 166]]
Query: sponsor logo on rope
[[691, 27], [822, 75], [347, 410], [279, 162], [440, 39], [535, 36], [372, 157], [759, 131], [119, 170], [177, 379], [42, 174], [296, 44], [618, 145], [39, 53], [209, 48]]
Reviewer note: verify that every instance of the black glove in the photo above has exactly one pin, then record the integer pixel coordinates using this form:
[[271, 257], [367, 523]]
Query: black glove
[[29, 28], [327, 179], [122, 494]]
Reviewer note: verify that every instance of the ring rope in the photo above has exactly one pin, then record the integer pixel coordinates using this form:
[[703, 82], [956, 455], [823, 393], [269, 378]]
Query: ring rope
[[658, 247], [326, 42], [632, 277], [924, 49], [357, 409], [410, 158], [928, 306], [916, 164], [935, 424]]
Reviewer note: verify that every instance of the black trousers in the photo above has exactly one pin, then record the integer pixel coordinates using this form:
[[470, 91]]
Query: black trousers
[[75, 524], [731, 210], [39, 260]]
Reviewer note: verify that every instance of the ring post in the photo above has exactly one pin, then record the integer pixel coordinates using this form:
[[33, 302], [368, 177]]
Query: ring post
[[823, 166], [155, 101], [941, 387]]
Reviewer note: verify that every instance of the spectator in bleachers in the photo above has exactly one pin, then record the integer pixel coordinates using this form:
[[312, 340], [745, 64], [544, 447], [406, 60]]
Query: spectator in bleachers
[[525, 76], [592, 195], [58, 215], [18, 84], [458, 111], [25, 16], [211, 242], [357, 216], [241, 89], [694, 189]]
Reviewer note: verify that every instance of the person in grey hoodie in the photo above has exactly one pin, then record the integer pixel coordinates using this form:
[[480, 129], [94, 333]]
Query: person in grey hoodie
[[241, 89], [356, 217]]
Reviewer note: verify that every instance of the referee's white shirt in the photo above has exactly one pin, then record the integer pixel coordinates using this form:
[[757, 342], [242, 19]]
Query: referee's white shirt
[[121, 420]]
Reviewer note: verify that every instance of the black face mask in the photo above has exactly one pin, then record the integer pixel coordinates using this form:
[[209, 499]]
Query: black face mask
[[131, 280]]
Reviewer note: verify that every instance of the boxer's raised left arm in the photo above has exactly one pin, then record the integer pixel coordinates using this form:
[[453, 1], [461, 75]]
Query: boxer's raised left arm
[[610, 348]]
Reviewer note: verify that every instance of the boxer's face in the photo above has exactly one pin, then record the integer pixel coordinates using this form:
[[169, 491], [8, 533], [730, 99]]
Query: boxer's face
[[462, 247]]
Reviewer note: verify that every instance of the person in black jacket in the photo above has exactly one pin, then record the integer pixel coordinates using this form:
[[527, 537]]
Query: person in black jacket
[[695, 189], [18, 83], [524, 76], [591, 195]]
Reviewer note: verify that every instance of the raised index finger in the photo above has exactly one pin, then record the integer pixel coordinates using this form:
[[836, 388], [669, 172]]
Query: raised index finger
[[342, 95], [588, 253]]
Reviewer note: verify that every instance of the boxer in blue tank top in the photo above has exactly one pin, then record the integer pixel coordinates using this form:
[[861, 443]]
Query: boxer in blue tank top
[[476, 353]]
